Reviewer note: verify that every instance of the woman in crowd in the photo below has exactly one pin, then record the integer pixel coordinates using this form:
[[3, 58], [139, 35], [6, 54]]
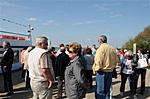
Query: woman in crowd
[[75, 82], [140, 71], [89, 59], [127, 71], [26, 67]]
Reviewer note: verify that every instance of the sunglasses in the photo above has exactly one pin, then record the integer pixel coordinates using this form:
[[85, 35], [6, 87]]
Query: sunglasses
[[70, 51]]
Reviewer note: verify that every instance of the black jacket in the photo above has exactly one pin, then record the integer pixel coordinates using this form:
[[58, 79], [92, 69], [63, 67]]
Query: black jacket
[[7, 59], [62, 61]]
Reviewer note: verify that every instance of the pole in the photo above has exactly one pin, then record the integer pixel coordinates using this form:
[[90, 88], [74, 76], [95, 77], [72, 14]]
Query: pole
[[30, 34], [134, 48]]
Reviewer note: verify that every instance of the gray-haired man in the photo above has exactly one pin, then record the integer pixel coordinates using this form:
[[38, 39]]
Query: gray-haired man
[[41, 70]]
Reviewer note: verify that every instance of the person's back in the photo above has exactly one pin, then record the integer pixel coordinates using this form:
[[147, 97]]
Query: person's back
[[107, 57], [34, 65], [62, 61], [89, 59], [104, 63], [41, 70]]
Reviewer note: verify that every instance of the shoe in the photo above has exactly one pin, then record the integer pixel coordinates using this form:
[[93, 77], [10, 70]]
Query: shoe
[[121, 94], [134, 97], [4, 91], [9, 93], [59, 97]]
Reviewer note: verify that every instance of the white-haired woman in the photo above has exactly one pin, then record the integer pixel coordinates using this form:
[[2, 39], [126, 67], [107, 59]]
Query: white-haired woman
[[127, 71]]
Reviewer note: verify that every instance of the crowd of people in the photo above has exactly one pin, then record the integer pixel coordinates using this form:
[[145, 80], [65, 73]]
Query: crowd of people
[[72, 67]]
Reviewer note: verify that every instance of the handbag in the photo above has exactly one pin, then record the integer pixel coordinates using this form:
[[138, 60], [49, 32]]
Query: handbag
[[149, 61], [142, 63], [114, 73]]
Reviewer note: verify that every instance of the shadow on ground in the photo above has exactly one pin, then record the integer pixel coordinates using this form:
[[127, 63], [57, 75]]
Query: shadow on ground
[[16, 78], [139, 96]]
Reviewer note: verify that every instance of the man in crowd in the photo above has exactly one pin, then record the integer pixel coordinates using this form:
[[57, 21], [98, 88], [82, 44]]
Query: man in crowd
[[62, 62], [41, 70], [104, 63], [6, 66]]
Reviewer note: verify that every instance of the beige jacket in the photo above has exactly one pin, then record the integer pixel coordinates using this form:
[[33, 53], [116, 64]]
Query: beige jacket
[[105, 59]]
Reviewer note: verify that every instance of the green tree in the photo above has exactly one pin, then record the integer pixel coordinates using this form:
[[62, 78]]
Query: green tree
[[142, 40]]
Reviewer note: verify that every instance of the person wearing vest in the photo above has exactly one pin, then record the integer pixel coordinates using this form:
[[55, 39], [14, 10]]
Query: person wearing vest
[[41, 70]]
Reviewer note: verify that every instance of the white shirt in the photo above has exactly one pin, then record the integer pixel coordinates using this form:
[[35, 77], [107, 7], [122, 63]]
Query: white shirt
[[128, 69]]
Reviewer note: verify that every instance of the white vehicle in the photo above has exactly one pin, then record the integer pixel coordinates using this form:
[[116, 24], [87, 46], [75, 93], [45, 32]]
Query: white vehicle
[[17, 42]]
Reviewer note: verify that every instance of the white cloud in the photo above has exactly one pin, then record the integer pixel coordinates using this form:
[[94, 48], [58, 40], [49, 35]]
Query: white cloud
[[106, 6], [79, 23], [101, 7], [10, 4], [89, 22], [32, 19], [50, 22], [116, 15], [86, 22]]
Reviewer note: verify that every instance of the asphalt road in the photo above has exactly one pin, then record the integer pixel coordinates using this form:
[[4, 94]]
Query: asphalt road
[[21, 93]]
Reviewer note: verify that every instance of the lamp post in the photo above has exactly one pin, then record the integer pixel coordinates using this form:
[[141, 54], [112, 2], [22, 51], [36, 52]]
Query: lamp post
[[29, 31]]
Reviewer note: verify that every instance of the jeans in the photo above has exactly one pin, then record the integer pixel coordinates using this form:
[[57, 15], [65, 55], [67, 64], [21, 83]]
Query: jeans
[[103, 85]]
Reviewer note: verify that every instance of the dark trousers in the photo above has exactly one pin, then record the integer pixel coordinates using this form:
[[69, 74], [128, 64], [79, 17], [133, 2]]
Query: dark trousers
[[88, 75], [131, 83], [27, 79], [23, 72], [60, 87], [8, 85], [141, 72]]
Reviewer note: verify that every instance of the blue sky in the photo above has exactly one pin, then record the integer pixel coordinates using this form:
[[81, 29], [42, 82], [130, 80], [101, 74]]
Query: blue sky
[[65, 21]]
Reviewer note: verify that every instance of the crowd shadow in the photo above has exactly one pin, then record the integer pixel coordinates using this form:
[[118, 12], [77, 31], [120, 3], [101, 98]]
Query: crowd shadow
[[19, 93], [115, 82], [139, 96], [16, 78]]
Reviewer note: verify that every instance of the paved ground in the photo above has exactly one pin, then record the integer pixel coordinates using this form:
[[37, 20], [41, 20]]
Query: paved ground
[[21, 93]]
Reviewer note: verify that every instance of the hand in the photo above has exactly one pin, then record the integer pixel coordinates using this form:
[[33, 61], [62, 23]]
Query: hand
[[50, 84], [5, 67]]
